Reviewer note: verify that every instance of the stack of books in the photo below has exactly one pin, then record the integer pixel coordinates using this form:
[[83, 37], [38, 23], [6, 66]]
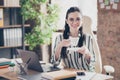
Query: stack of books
[[11, 37], [4, 63]]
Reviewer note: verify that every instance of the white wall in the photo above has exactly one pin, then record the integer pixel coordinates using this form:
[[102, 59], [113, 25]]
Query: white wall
[[88, 7]]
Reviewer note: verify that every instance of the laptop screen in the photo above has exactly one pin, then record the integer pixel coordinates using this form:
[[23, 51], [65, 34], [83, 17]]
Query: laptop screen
[[34, 61]]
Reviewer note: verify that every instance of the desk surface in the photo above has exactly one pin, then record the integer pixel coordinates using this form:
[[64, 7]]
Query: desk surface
[[56, 75]]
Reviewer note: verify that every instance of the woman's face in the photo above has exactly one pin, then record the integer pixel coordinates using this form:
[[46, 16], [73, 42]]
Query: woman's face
[[74, 20]]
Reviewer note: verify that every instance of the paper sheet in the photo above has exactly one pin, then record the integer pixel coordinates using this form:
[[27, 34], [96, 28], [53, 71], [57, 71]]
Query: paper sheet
[[102, 5], [107, 7], [114, 6], [116, 1], [4, 60], [111, 1], [100, 1], [106, 2]]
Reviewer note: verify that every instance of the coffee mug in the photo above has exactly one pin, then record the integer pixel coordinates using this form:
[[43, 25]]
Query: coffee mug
[[74, 41]]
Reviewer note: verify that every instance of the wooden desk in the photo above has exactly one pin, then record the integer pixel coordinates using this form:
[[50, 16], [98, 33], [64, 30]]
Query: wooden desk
[[56, 75], [7, 74]]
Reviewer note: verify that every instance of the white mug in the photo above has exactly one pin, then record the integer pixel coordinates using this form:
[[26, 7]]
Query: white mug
[[74, 41]]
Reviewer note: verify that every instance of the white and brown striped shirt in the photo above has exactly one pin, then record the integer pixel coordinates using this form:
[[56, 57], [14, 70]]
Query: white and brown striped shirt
[[73, 60]]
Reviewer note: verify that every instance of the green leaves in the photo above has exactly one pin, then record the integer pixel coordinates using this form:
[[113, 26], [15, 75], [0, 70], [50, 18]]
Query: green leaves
[[45, 21], [38, 36], [31, 8]]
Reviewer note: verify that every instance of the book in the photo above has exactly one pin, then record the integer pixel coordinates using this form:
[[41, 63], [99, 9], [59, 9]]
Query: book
[[1, 38], [4, 66], [1, 17], [4, 60], [58, 75], [1, 2]]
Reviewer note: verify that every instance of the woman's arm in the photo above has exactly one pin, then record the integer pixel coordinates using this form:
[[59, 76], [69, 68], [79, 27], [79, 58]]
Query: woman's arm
[[59, 43], [55, 58], [58, 51], [92, 53], [84, 50], [63, 43], [88, 52]]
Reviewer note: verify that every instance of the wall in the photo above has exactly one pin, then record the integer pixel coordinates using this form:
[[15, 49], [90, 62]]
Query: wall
[[89, 8], [109, 39], [64, 5]]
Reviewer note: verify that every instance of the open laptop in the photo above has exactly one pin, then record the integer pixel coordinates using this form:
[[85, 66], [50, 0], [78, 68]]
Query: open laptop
[[34, 63]]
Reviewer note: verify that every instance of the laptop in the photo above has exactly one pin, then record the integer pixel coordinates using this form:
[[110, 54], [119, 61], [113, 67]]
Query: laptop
[[34, 63]]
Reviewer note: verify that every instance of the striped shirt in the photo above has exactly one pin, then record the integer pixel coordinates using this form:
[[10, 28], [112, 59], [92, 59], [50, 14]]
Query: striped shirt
[[73, 60]]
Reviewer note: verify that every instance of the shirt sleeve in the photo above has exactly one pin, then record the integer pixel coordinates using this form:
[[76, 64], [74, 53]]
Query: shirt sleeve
[[91, 62], [53, 60]]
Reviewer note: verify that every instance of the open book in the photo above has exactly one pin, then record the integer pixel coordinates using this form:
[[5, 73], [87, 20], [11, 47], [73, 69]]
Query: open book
[[61, 74]]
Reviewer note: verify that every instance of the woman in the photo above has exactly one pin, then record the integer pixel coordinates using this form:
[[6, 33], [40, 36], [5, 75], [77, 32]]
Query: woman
[[82, 56]]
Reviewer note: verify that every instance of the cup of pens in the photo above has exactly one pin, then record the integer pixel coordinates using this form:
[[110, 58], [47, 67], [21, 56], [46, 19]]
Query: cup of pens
[[23, 67]]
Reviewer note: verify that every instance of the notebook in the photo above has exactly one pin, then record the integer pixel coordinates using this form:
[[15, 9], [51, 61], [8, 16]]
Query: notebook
[[34, 63]]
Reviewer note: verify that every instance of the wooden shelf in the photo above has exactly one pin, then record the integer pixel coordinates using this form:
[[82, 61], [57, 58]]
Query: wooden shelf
[[9, 6], [9, 3], [14, 26], [1, 47]]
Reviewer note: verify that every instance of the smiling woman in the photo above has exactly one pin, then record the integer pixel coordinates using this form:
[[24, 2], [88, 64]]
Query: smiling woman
[[82, 58]]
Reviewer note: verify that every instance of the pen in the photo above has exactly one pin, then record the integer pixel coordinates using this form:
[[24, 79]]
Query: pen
[[27, 62]]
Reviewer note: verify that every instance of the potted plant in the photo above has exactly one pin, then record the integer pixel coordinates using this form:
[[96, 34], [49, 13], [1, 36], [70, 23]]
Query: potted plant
[[44, 15]]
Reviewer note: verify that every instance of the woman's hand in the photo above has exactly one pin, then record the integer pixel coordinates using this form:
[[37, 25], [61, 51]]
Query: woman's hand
[[84, 50], [65, 43]]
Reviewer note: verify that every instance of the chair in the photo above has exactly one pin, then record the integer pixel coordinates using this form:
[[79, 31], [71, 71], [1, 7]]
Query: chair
[[98, 65]]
